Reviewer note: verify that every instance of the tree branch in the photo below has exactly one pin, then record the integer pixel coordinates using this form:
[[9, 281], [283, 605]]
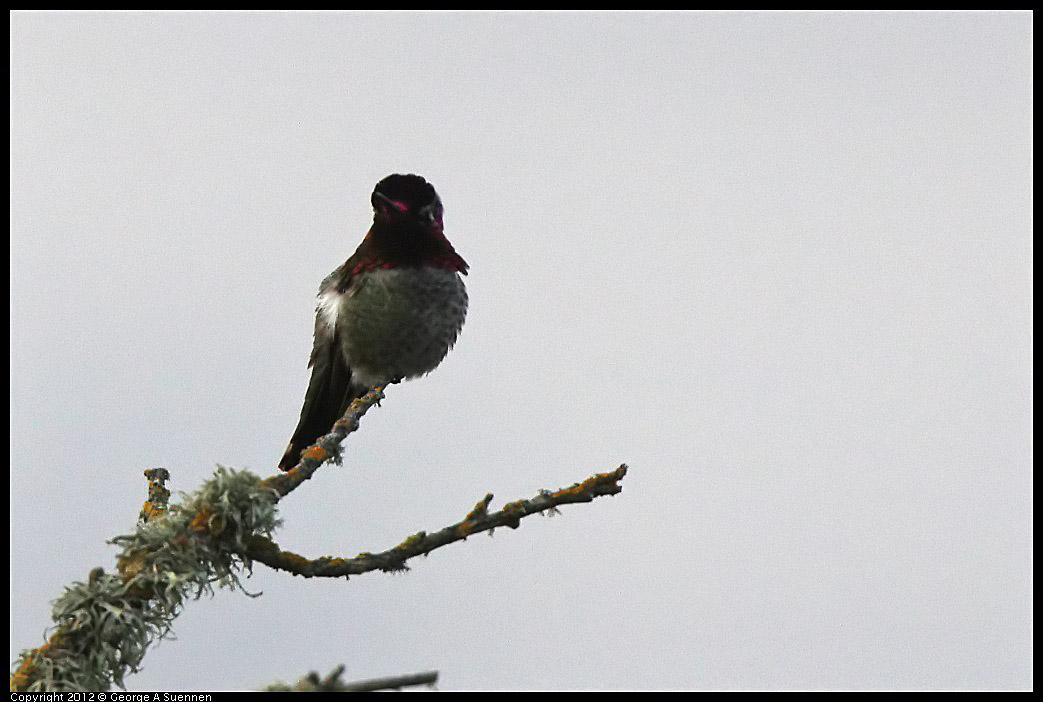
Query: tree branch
[[326, 447], [332, 682], [478, 519], [104, 626]]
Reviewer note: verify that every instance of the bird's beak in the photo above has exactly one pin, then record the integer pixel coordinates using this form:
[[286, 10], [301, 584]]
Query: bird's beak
[[396, 206]]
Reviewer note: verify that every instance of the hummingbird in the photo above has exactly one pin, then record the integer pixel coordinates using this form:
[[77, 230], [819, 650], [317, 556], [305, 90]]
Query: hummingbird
[[390, 312]]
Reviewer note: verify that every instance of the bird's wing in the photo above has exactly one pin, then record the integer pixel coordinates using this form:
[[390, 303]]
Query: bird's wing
[[329, 390]]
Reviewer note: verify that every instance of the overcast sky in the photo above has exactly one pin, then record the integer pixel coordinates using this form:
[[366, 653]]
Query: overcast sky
[[780, 264]]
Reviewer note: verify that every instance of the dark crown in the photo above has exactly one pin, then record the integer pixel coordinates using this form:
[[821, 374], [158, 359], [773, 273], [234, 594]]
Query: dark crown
[[411, 190]]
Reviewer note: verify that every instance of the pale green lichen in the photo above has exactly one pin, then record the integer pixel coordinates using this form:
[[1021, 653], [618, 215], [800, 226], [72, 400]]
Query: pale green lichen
[[103, 627]]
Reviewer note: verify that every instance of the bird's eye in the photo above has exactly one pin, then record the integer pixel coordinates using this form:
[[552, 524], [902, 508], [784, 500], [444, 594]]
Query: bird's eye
[[430, 213]]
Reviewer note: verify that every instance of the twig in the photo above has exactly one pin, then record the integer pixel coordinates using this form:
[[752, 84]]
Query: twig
[[478, 519], [158, 495], [326, 447], [332, 682], [392, 683]]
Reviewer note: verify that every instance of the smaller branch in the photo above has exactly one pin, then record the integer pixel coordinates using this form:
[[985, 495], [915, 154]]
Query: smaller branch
[[332, 682], [158, 495], [327, 447], [392, 683], [478, 519]]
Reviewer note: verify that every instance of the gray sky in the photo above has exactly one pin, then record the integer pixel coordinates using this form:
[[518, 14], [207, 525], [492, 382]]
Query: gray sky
[[781, 264]]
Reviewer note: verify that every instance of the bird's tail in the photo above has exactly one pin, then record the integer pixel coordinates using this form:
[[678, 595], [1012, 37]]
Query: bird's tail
[[329, 394]]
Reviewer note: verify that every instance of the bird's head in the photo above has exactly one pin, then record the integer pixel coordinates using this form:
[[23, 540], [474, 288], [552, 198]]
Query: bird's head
[[407, 226], [407, 201]]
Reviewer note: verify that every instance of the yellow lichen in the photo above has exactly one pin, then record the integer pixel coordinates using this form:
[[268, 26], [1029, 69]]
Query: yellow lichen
[[315, 453]]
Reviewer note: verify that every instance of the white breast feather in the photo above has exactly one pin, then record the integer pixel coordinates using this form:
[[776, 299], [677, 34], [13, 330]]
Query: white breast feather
[[329, 305]]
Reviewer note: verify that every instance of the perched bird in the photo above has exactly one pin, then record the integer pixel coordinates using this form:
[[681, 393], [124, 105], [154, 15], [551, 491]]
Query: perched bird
[[391, 311]]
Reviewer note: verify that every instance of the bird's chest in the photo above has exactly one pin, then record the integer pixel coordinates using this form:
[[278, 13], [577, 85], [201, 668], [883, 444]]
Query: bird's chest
[[397, 322]]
